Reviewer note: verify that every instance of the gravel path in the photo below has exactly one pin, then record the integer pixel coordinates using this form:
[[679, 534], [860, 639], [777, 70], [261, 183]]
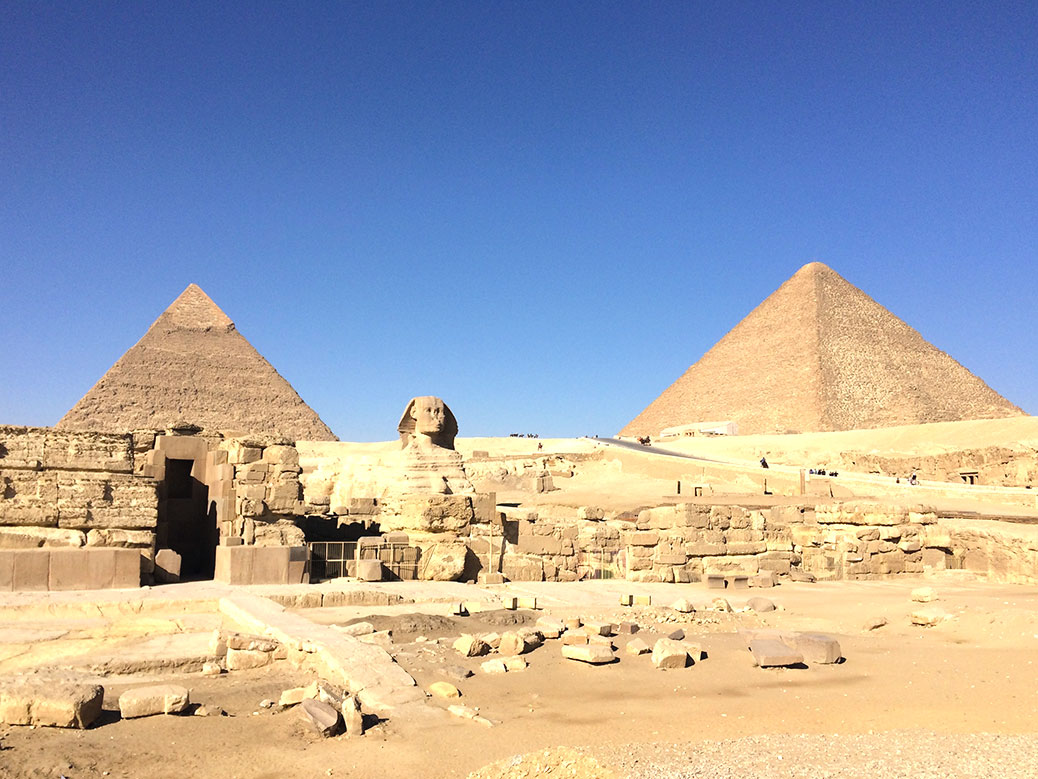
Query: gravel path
[[915, 754]]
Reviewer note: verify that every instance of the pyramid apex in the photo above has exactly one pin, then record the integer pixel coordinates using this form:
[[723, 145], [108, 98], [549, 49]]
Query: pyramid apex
[[813, 269], [195, 310]]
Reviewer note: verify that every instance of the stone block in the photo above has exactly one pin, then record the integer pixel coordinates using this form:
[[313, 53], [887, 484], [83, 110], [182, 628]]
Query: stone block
[[471, 646], [244, 659], [772, 653], [320, 716], [493, 666], [167, 566], [25, 570], [818, 648], [627, 628], [444, 690], [511, 644], [760, 605], [597, 628], [49, 703], [594, 654], [352, 716], [669, 653], [153, 699], [637, 646], [646, 538]]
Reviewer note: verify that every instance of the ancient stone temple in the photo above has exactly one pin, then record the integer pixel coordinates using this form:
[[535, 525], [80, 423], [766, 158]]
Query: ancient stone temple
[[818, 355], [192, 365]]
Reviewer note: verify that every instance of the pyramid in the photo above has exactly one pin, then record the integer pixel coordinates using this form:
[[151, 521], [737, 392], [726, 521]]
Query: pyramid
[[194, 366], [818, 355]]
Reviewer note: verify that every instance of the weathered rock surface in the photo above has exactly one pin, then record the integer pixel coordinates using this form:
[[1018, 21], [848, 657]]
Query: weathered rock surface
[[320, 716], [595, 654], [154, 699], [443, 562], [668, 653], [49, 703]]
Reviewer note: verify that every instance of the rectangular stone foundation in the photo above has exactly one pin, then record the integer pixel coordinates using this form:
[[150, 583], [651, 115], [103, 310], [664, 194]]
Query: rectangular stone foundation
[[69, 569], [261, 565]]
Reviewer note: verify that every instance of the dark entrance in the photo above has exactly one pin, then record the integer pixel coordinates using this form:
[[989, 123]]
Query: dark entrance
[[186, 524]]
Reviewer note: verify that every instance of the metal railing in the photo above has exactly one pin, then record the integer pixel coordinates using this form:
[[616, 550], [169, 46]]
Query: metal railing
[[334, 559]]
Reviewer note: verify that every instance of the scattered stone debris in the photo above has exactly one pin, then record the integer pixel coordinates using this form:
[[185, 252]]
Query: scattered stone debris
[[722, 605], [468, 713], [154, 699], [559, 762], [457, 672], [874, 623]]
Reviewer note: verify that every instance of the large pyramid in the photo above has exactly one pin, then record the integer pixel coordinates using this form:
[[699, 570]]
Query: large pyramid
[[819, 354], [194, 366]]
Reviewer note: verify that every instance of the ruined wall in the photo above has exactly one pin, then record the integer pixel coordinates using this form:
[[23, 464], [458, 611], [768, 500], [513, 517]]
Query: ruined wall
[[685, 543], [997, 466], [72, 490]]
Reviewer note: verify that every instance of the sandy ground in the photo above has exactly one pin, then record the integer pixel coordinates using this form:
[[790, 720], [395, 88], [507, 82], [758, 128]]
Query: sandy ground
[[973, 674]]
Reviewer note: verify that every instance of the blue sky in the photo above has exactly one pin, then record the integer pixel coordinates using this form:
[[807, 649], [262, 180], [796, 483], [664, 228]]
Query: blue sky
[[543, 212]]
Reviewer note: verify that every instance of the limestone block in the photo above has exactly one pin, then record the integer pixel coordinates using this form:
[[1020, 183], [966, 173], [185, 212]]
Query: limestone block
[[369, 570], [637, 646], [597, 627], [644, 538], [49, 703], [320, 716], [511, 644], [747, 547], [283, 497], [285, 456], [244, 659], [760, 605], [594, 654], [771, 653], [682, 606], [515, 664], [593, 513], [431, 514], [444, 690], [668, 653], [702, 549], [28, 537], [676, 635], [292, 697], [494, 666], [153, 699], [352, 716], [575, 639], [929, 617], [740, 518], [130, 539], [745, 564], [470, 646], [818, 648], [551, 627], [924, 594]]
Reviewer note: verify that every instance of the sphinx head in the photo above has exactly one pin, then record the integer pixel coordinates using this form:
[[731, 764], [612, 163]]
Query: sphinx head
[[427, 421]]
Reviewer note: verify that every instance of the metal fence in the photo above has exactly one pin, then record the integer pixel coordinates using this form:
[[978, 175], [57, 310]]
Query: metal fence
[[334, 559], [598, 564]]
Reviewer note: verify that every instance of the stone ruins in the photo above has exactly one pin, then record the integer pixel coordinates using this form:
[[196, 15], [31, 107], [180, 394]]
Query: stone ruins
[[192, 491]]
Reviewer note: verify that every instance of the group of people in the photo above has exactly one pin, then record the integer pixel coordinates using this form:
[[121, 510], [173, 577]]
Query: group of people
[[822, 472], [523, 435], [913, 479]]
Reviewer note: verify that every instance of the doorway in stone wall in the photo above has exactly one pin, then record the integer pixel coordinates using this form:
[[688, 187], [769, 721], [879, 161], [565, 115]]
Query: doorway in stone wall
[[186, 524]]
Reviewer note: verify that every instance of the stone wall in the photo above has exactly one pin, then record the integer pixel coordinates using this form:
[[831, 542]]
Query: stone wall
[[72, 490], [996, 466], [686, 542]]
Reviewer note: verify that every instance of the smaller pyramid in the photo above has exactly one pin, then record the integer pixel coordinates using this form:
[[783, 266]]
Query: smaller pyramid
[[192, 365], [820, 355]]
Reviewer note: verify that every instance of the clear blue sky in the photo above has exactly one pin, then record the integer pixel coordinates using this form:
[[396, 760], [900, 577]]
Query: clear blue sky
[[543, 212]]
